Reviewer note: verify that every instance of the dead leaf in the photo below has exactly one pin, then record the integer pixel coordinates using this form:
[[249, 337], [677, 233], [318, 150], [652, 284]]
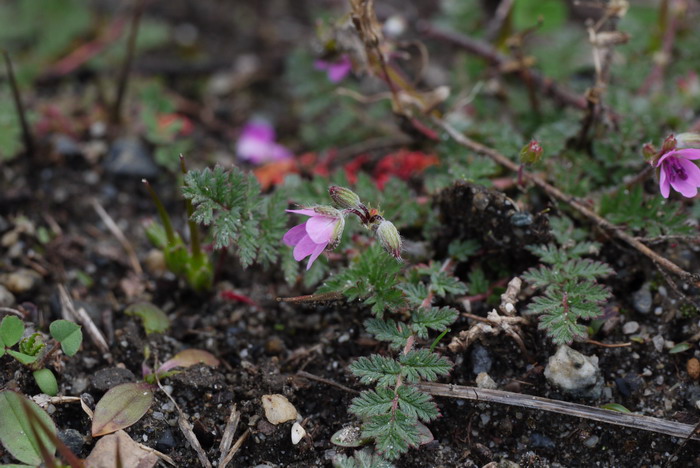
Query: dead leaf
[[104, 455]]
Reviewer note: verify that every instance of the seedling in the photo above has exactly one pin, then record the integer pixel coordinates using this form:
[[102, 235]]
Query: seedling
[[125, 404], [32, 351]]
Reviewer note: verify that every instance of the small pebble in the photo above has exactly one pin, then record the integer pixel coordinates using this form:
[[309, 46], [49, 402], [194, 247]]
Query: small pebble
[[21, 281], [574, 373], [298, 433], [630, 327], [7, 299], [278, 409], [658, 342], [73, 439], [693, 366], [642, 300], [483, 380], [592, 441], [481, 360]]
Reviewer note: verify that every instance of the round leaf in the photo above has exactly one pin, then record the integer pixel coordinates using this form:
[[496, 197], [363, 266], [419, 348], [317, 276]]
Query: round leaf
[[68, 334], [121, 407], [11, 330], [16, 432], [46, 381], [153, 319]]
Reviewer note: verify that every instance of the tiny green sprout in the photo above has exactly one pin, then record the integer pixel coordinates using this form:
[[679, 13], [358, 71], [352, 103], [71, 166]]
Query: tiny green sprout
[[152, 317], [192, 263], [33, 352]]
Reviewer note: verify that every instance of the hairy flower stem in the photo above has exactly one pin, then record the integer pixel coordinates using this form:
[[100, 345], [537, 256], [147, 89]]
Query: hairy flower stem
[[162, 212], [21, 114]]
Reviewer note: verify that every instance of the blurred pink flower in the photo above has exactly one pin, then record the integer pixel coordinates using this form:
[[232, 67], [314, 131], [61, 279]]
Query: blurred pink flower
[[320, 232], [337, 70], [257, 145], [678, 172]]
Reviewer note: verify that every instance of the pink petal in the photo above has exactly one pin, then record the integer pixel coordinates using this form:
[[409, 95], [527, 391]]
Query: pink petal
[[304, 211], [687, 153], [294, 235], [321, 65], [320, 228], [338, 71], [304, 248], [258, 130], [314, 255], [684, 188], [691, 170], [279, 152], [664, 184]]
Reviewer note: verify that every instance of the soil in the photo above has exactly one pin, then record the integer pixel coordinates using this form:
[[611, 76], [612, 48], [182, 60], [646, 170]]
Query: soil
[[263, 345]]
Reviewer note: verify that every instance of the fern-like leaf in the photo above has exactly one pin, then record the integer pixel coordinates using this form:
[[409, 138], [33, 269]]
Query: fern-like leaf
[[375, 368], [423, 364]]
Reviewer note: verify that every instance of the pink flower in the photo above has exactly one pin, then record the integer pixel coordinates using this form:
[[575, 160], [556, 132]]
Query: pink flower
[[337, 70], [320, 232], [257, 144], [678, 172]]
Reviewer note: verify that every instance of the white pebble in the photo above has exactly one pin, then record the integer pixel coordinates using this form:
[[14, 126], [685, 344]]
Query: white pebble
[[298, 433]]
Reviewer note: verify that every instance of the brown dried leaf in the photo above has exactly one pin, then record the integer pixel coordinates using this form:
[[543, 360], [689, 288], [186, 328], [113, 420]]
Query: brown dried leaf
[[104, 455]]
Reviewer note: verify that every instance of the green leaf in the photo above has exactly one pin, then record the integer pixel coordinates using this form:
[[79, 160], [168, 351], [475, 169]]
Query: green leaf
[[415, 292], [393, 434], [434, 318], [152, 317], [361, 459], [461, 250], [616, 407], [25, 359], [11, 330], [46, 381], [680, 347], [121, 407], [375, 368], [68, 334], [422, 364], [395, 333], [372, 403], [16, 433], [417, 404]]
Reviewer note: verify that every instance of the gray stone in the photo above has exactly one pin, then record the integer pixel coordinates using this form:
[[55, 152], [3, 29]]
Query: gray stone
[[575, 373], [642, 300], [483, 380], [630, 327], [105, 379], [20, 281], [73, 439], [130, 157], [481, 360], [7, 299]]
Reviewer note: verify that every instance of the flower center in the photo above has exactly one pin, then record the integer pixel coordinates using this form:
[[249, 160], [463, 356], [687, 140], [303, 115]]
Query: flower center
[[675, 170]]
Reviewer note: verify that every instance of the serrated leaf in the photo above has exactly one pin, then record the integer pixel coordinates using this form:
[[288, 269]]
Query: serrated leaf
[[391, 331], [121, 407], [417, 404], [68, 334], [422, 364], [434, 318], [415, 292], [375, 368], [361, 459], [393, 434], [16, 433], [372, 402], [11, 330]]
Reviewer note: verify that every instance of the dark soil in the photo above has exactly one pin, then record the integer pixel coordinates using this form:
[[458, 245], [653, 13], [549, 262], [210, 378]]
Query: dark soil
[[263, 346]]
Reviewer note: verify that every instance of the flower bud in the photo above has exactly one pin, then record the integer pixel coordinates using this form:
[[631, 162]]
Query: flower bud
[[649, 151], [531, 153], [688, 140], [344, 198], [389, 238], [669, 144]]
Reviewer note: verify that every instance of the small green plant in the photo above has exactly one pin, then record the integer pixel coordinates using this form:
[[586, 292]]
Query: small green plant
[[32, 350], [570, 291]]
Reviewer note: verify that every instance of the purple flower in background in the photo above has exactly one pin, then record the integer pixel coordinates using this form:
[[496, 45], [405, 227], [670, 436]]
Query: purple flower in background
[[337, 70], [257, 145], [320, 232], [677, 171]]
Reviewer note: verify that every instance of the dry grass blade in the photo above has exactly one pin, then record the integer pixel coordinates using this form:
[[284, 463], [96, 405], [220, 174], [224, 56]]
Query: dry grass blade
[[117, 232], [645, 423], [70, 313], [229, 431]]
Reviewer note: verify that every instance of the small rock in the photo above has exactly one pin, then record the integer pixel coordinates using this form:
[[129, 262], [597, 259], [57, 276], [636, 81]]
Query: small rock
[[642, 300], [166, 442], [105, 379], [65, 145], [658, 342], [541, 441], [278, 409], [20, 281], [73, 439], [592, 441], [574, 373], [7, 299], [298, 433], [693, 367], [628, 384], [129, 157], [483, 380], [274, 345], [630, 327], [481, 360], [692, 395]]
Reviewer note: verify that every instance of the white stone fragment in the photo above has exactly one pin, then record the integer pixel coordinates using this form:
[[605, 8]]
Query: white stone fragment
[[298, 433], [278, 409]]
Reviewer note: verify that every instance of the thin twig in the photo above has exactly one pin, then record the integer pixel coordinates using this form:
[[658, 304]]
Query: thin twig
[[21, 114], [635, 421], [663, 58], [123, 80], [225, 449], [608, 345], [80, 315], [329, 296], [316, 378], [117, 232], [669, 238], [235, 448], [554, 192], [545, 85]]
